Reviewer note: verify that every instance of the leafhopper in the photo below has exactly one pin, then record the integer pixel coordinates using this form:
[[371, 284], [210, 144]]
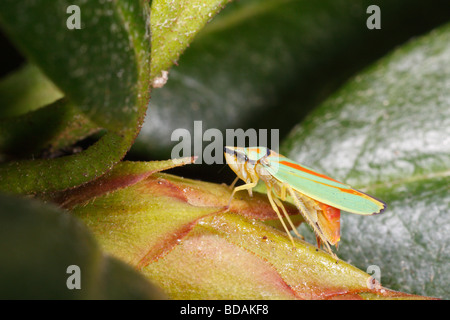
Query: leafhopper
[[319, 198]]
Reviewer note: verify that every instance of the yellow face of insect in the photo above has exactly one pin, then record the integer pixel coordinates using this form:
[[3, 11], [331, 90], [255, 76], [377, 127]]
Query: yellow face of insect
[[243, 161], [236, 159]]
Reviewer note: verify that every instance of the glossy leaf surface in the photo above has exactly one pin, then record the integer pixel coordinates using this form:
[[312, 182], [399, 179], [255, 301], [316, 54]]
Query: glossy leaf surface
[[387, 132]]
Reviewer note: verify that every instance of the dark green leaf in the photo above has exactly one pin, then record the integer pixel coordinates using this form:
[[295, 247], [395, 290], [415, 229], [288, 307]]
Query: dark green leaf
[[102, 68], [387, 132], [95, 66], [39, 242], [31, 134]]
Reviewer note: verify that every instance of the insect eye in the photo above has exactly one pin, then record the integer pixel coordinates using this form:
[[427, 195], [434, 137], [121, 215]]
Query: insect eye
[[268, 152], [245, 158]]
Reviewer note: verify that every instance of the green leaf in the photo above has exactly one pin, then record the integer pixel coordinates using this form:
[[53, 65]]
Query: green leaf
[[104, 71], [387, 132], [266, 63], [95, 66], [38, 243], [102, 68], [24, 90], [174, 25], [19, 138]]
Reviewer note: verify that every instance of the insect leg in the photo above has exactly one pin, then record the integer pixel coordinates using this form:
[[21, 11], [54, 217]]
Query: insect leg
[[234, 182], [283, 192], [247, 186], [306, 215], [280, 204], [275, 208]]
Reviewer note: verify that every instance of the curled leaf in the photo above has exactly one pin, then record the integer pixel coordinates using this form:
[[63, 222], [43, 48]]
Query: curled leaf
[[102, 68]]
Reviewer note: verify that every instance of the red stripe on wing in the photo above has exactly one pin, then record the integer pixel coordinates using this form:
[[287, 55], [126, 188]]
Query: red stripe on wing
[[298, 167]]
